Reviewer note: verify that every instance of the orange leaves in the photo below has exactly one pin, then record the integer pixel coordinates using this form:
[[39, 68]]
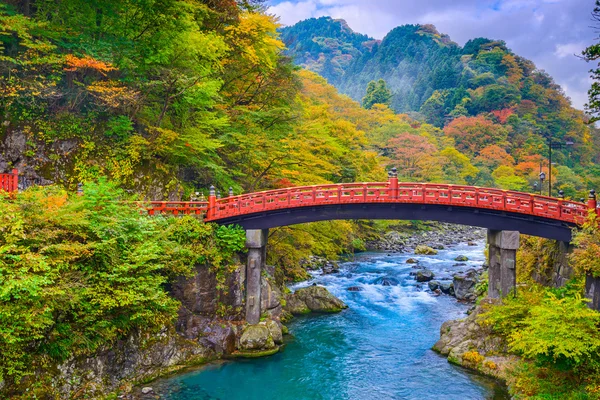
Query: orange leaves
[[74, 63], [474, 133], [503, 115], [408, 151], [492, 156]]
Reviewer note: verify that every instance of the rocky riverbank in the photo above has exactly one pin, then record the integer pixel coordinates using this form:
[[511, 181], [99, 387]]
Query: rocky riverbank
[[471, 344], [437, 235]]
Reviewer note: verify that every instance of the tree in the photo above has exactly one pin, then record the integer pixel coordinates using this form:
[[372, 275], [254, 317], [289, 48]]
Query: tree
[[408, 151], [592, 53], [492, 156], [377, 93], [474, 133]]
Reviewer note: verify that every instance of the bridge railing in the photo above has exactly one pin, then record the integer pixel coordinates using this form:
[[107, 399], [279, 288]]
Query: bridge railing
[[177, 207], [380, 192], [9, 182], [386, 192]]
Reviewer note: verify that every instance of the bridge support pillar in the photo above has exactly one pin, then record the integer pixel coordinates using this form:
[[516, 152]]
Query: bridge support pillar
[[256, 242], [592, 291], [502, 258]]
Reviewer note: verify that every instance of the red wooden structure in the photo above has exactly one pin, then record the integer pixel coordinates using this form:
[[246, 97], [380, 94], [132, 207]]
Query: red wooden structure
[[391, 192], [9, 182]]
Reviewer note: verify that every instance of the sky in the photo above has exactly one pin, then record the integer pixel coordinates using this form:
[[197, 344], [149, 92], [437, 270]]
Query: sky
[[548, 32]]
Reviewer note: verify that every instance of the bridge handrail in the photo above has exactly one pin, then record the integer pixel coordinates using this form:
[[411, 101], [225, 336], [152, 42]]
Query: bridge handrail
[[10, 182], [380, 192]]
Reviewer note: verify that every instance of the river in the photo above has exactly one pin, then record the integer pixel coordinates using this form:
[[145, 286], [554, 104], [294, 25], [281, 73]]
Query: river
[[379, 348]]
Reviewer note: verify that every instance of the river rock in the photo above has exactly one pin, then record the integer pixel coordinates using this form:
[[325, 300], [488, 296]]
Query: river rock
[[386, 281], [355, 289], [424, 276], [464, 285], [275, 331], [270, 295], [425, 250], [313, 298], [330, 268], [295, 305], [147, 390], [412, 261], [433, 285], [461, 258], [447, 288], [256, 337]]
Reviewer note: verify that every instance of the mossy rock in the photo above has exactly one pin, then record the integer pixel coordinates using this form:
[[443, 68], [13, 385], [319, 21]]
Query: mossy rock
[[253, 353], [425, 250], [461, 258], [319, 299], [256, 337]]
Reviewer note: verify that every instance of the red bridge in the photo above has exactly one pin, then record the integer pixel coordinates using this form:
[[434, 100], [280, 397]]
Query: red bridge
[[552, 218]]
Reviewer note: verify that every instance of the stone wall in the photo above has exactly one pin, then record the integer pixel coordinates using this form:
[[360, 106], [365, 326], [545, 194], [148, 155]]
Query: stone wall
[[557, 272]]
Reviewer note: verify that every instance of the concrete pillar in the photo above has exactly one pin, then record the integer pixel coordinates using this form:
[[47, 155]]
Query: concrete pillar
[[256, 242], [502, 253], [592, 291]]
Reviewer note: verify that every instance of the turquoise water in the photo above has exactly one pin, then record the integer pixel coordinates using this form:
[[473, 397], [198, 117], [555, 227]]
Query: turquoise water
[[377, 349]]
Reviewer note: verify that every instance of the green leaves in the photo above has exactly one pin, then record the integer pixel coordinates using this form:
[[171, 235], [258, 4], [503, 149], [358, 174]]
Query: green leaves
[[562, 331], [78, 273]]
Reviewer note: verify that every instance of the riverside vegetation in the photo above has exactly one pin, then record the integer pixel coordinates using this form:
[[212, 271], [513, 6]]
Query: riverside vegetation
[[158, 99]]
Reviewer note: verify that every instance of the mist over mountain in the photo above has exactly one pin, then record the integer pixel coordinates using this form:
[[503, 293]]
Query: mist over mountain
[[423, 68]]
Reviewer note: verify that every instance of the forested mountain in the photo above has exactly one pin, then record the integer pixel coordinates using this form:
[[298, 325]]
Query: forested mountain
[[490, 102]]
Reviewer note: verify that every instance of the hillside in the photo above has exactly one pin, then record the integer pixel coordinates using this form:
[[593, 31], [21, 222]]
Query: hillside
[[489, 101]]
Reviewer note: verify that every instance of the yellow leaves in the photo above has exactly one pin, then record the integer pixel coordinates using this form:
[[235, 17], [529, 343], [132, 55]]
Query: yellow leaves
[[256, 34], [113, 94], [74, 63]]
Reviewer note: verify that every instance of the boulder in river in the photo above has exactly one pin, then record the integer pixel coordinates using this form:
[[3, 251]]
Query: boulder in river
[[425, 250], [424, 276], [412, 261], [461, 258], [386, 281], [315, 299], [433, 285], [447, 288], [275, 330], [464, 285], [355, 289], [256, 337]]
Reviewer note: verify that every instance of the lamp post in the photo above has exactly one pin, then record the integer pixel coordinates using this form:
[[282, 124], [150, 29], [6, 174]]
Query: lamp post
[[535, 187], [553, 145], [542, 178]]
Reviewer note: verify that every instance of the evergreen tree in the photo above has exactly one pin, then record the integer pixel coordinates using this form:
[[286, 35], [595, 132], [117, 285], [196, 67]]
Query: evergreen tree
[[377, 93]]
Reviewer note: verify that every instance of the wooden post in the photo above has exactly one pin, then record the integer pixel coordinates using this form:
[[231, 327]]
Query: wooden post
[[592, 204], [212, 203], [15, 183], [393, 179]]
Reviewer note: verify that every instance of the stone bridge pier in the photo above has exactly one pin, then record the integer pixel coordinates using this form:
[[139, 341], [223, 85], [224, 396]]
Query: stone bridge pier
[[256, 242], [502, 260]]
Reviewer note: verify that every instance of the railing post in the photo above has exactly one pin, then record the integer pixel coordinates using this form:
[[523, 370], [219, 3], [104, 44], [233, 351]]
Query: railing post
[[212, 203], [591, 203], [393, 180], [15, 177]]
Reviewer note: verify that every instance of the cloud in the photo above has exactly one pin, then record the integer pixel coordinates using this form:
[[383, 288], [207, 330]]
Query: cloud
[[548, 32]]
